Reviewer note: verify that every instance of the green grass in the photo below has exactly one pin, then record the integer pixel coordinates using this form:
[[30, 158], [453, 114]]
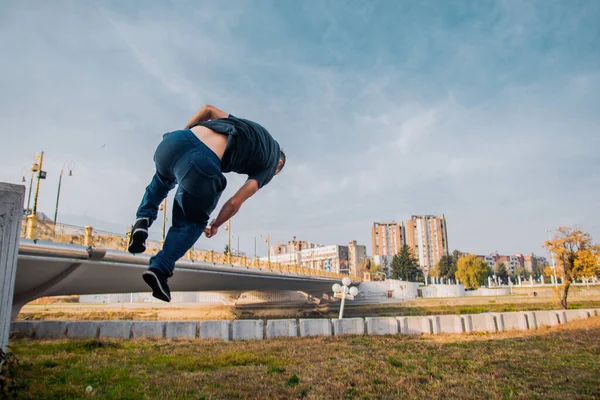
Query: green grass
[[562, 362]]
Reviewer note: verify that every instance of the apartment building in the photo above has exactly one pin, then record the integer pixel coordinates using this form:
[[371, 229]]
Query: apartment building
[[427, 236], [387, 238]]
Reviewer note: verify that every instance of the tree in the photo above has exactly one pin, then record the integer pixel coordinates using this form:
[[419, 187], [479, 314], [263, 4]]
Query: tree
[[501, 271], [452, 272], [377, 271], [226, 250], [537, 269], [405, 266], [471, 271], [368, 266], [575, 255], [522, 272], [375, 268], [443, 267]]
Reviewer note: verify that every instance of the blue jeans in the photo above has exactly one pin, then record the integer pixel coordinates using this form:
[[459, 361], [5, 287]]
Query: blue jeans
[[181, 158]]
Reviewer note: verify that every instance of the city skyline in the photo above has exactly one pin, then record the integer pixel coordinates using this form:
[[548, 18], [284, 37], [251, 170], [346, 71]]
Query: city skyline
[[484, 112]]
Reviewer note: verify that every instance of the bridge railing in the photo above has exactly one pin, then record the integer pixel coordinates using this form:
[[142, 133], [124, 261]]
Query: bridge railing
[[35, 228]]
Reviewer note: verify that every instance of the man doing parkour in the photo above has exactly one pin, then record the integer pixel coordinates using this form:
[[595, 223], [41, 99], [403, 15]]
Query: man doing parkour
[[195, 158]]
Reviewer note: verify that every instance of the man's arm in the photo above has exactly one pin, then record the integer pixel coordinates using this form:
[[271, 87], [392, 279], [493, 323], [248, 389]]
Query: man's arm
[[206, 113], [232, 206]]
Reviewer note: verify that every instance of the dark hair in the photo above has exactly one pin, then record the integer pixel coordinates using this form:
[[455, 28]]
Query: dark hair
[[282, 157]]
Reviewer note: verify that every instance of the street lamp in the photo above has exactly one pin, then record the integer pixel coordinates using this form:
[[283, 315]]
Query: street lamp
[[343, 292], [70, 167], [228, 229], [255, 245], [35, 167], [238, 244], [552, 258], [163, 208], [294, 241], [268, 241]]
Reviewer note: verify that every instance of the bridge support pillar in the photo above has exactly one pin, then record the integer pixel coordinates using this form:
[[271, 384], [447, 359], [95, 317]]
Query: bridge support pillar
[[11, 212]]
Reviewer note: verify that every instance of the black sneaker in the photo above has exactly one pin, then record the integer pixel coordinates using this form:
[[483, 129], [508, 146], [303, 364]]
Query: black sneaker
[[139, 234], [157, 281]]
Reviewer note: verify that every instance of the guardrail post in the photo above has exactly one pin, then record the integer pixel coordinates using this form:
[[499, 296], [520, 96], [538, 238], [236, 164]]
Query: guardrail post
[[11, 211], [87, 241]]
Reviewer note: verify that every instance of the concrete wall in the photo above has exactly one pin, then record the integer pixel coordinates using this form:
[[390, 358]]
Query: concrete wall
[[11, 211], [405, 291], [401, 290], [260, 329], [443, 291]]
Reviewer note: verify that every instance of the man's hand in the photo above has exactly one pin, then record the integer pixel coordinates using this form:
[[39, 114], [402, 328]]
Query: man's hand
[[211, 230]]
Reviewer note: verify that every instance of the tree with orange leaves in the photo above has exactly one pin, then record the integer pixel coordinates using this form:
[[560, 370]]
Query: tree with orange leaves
[[576, 257]]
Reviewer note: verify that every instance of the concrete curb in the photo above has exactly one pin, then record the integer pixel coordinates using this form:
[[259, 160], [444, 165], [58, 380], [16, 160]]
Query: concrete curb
[[261, 329]]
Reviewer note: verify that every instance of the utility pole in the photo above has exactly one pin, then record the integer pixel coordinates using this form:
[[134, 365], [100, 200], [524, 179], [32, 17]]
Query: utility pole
[[268, 240], [57, 198], [229, 236], [37, 187]]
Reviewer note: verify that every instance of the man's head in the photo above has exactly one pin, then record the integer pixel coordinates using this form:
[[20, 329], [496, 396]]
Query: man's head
[[281, 162]]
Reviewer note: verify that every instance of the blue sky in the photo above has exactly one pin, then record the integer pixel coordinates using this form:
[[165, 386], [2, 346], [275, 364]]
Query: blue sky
[[486, 111]]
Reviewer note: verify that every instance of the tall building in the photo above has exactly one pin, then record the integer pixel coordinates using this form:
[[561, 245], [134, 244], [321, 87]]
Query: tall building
[[426, 235], [387, 238]]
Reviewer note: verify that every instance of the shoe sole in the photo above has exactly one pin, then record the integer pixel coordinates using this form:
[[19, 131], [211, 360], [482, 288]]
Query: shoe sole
[[157, 290], [138, 241]]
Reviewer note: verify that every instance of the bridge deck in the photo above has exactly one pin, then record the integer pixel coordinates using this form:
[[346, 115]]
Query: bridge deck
[[51, 269]]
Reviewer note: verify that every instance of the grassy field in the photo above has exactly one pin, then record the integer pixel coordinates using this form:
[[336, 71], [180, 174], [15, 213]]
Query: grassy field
[[561, 362]]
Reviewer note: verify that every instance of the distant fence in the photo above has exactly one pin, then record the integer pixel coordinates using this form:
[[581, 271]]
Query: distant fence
[[35, 228]]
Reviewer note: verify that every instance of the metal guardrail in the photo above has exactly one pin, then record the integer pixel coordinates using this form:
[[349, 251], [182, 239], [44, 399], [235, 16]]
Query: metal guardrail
[[35, 229]]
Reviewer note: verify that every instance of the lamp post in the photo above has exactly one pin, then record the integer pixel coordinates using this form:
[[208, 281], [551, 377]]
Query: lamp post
[[255, 245], [41, 175], [163, 208], [344, 292], [228, 229], [34, 168], [58, 192], [552, 258], [294, 241], [268, 241]]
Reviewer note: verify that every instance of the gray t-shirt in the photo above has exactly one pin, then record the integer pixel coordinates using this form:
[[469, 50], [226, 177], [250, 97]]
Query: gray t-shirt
[[251, 150]]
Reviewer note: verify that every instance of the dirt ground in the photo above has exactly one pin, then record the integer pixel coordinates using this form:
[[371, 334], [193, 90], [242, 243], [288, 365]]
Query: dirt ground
[[523, 300]]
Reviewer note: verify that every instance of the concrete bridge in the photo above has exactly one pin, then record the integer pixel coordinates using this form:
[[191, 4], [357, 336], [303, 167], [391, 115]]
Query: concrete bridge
[[52, 269]]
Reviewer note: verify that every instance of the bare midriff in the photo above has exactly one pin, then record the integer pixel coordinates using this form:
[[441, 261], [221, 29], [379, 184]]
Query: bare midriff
[[217, 142]]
